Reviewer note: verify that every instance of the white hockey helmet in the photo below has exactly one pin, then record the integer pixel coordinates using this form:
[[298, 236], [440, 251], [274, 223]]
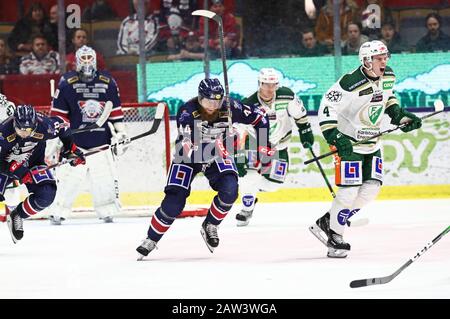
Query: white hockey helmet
[[7, 108], [369, 49], [86, 60], [268, 75]]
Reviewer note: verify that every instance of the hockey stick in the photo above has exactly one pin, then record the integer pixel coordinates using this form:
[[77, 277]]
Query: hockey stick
[[157, 121], [384, 280], [438, 108], [355, 223], [211, 15]]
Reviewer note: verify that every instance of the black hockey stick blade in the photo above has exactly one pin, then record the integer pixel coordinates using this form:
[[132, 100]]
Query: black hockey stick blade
[[438, 108], [384, 280], [99, 123]]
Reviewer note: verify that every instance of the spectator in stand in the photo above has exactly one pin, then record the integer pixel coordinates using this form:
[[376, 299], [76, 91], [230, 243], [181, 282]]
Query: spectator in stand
[[354, 39], [324, 25], [128, 41], [230, 30], [309, 45], [176, 21], [41, 60], [435, 39], [80, 38], [391, 38], [99, 10], [190, 51], [8, 62], [35, 22]]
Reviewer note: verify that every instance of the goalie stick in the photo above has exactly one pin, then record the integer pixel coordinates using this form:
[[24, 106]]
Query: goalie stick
[[211, 15], [384, 280], [157, 121], [438, 108]]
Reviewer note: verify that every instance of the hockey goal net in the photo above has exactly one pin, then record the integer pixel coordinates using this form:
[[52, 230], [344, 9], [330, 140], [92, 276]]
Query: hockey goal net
[[142, 170]]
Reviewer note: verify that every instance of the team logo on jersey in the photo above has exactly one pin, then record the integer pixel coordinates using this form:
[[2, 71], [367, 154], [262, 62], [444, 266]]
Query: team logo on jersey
[[91, 110], [334, 96], [374, 113]]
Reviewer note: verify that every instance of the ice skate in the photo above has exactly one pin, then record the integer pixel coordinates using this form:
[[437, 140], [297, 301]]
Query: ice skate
[[145, 248], [243, 217], [209, 234], [337, 247], [322, 225], [108, 219], [15, 226]]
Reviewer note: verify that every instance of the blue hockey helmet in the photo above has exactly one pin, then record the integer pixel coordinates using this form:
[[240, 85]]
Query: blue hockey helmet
[[211, 89], [25, 120]]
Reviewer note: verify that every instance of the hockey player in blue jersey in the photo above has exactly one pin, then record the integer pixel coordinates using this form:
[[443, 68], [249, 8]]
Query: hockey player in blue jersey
[[22, 150], [80, 99], [202, 146]]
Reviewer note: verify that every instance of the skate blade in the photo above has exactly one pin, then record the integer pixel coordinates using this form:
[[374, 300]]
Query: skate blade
[[140, 257], [241, 223], [316, 231], [9, 223], [336, 253], [202, 232]]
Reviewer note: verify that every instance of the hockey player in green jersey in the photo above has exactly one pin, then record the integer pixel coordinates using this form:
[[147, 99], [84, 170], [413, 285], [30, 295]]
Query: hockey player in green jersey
[[352, 110], [283, 108]]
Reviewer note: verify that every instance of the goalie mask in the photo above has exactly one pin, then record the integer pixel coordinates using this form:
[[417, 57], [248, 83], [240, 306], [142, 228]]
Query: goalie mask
[[86, 60], [25, 120]]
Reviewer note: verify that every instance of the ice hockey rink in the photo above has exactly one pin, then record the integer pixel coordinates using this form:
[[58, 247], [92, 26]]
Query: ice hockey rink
[[274, 257]]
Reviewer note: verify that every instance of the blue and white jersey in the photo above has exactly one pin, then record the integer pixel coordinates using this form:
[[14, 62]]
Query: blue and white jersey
[[81, 104], [200, 134], [30, 151]]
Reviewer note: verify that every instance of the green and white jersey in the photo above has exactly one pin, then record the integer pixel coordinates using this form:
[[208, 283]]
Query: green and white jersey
[[355, 106], [283, 111]]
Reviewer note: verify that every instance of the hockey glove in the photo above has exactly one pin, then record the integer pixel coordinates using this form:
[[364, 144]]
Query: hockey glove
[[20, 172], [306, 135], [119, 140], [74, 155], [342, 142], [241, 160], [399, 116]]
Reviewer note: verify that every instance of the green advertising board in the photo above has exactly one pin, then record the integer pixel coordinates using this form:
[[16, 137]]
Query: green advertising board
[[420, 78]]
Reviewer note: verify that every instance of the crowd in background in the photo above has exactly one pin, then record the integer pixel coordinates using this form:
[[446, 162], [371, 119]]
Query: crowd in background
[[251, 28]]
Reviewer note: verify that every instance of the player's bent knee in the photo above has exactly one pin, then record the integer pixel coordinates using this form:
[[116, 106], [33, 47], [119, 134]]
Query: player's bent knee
[[174, 202], [229, 189]]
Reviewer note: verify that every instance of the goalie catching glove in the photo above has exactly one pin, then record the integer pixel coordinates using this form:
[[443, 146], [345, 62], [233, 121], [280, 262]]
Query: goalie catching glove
[[119, 139], [74, 155]]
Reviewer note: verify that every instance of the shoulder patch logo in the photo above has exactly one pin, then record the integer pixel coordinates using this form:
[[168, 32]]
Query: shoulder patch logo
[[334, 96], [11, 137], [388, 85], [73, 79], [104, 79]]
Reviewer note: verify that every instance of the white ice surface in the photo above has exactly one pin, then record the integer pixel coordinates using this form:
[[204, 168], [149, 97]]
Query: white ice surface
[[274, 257]]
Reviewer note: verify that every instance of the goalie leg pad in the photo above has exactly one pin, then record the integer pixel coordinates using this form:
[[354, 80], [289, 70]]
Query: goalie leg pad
[[102, 172], [68, 185]]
